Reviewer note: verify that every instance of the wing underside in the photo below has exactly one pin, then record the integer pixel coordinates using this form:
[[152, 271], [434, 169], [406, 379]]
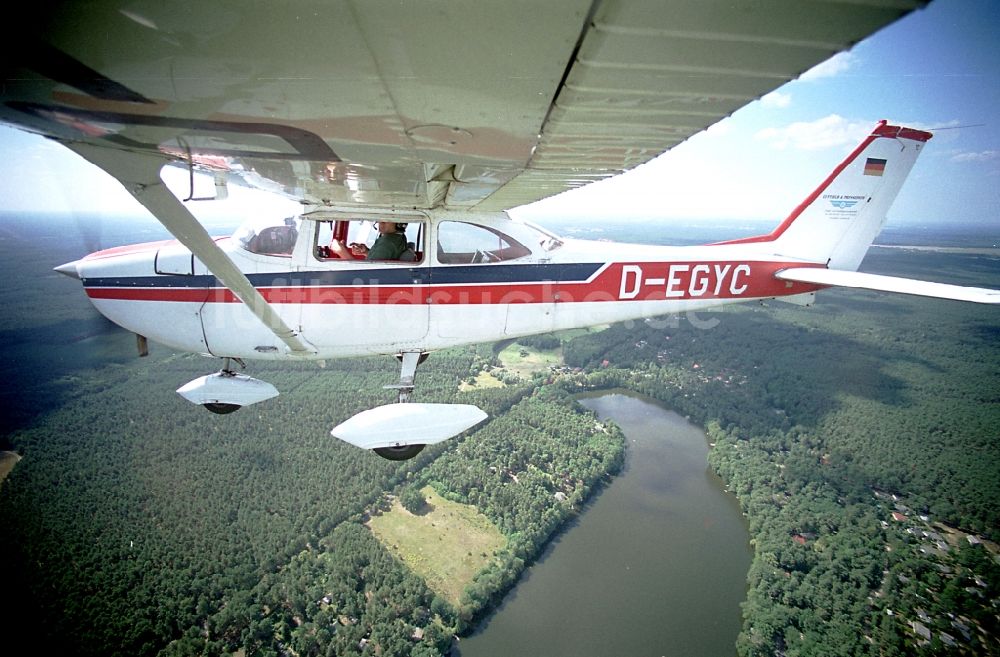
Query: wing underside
[[484, 105]]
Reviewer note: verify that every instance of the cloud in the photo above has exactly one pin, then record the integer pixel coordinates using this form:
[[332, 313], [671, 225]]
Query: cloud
[[981, 156], [831, 131], [834, 66], [721, 129], [776, 99]]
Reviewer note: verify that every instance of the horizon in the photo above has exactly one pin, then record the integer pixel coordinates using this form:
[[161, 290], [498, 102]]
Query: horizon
[[96, 231]]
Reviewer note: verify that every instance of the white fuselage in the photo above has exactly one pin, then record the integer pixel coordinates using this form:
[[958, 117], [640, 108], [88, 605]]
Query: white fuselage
[[446, 298]]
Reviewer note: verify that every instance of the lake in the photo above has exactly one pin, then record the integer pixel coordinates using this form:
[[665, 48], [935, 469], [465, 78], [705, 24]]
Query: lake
[[655, 565]]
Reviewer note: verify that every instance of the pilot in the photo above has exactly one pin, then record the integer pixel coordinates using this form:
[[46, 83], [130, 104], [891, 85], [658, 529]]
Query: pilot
[[390, 245]]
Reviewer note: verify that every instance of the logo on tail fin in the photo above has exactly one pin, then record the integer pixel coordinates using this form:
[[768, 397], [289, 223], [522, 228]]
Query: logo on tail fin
[[842, 206]]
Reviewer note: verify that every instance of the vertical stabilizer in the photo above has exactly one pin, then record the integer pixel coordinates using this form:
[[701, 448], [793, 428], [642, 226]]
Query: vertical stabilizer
[[838, 222]]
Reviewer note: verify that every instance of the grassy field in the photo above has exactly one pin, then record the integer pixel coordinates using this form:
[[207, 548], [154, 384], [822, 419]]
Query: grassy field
[[525, 361], [446, 545], [483, 380]]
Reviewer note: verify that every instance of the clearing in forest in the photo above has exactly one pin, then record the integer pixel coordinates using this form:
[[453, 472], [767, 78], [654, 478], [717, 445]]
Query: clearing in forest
[[447, 544], [7, 462], [483, 380], [525, 361]]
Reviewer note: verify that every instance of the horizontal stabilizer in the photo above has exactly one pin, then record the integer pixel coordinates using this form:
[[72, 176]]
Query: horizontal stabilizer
[[399, 425], [857, 279]]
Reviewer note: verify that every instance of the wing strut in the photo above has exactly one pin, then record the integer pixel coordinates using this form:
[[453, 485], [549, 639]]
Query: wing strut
[[139, 173]]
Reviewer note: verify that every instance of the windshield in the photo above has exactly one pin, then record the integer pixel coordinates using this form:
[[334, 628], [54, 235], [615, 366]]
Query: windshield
[[269, 236], [546, 239]]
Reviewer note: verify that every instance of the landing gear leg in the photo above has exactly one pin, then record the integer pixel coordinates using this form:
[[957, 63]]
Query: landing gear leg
[[227, 366], [409, 361]]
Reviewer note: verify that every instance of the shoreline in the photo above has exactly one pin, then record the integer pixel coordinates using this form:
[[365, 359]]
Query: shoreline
[[506, 629]]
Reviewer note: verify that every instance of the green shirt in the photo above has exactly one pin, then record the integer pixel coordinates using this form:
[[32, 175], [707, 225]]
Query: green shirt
[[388, 246]]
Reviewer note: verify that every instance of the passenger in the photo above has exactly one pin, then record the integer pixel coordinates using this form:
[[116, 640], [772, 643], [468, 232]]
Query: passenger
[[390, 245]]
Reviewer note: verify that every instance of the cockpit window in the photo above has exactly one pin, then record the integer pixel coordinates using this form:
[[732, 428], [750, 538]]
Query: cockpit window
[[460, 242], [368, 240], [269, 237]]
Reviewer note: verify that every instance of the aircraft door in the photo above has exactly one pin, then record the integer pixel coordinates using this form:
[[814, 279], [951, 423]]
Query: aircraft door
[[356, 305]]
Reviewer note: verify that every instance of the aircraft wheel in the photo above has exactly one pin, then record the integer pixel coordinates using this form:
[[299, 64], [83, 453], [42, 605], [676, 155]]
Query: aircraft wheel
[[399, 453], [220, 408]]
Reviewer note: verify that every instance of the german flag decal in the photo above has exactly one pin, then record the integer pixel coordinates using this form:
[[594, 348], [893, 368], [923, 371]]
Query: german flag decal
[[874, 167]]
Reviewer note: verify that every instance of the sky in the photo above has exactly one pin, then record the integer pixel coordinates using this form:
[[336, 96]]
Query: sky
[[937, 68]]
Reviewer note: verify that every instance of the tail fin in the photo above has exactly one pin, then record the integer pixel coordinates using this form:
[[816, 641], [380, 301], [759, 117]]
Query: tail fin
[[838, 222]]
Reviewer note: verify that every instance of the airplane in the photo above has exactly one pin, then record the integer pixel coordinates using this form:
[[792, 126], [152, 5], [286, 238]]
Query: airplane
[[419, 125]]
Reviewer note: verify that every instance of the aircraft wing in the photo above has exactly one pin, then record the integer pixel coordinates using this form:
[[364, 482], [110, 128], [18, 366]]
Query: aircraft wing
[[485, 105]]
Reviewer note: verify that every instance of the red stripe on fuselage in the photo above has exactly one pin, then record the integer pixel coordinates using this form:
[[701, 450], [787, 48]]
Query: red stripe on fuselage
[[181, 294], [638, 281]]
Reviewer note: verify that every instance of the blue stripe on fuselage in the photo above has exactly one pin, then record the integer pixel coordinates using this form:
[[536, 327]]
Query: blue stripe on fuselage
[[440, 275]]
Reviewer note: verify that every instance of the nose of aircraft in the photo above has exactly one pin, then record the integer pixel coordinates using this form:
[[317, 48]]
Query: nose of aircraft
[[69, 269]]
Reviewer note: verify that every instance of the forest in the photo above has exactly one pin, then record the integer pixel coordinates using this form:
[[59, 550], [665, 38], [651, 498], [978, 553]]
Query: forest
[[161, 527], [137, 525], [855, 436]]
